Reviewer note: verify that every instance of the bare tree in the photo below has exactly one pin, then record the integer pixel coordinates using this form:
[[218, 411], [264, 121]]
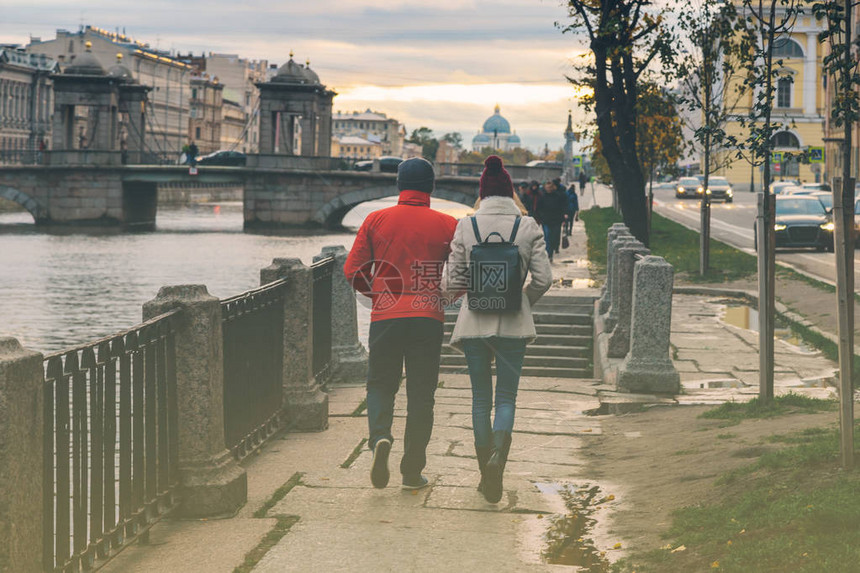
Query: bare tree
[[625, 37]]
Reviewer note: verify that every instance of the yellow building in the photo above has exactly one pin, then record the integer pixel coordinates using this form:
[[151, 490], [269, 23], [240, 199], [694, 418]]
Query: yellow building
[[798, 106]]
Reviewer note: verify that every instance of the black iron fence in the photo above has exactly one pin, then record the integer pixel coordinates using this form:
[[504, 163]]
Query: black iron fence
[[110, 462], [322, 271], [253, 327]]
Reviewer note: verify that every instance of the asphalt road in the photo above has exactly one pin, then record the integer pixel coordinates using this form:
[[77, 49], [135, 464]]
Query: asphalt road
[[732, 223]]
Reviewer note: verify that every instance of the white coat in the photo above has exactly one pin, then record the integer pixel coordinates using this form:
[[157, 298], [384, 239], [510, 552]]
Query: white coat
[[497, 214]]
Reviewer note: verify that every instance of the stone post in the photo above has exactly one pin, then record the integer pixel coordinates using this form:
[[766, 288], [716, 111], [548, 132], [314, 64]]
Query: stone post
[[649, 367], [211, 482], [605, 292], [625, 259], [305, 403], [611, 316], [21, 452], [348, 355]]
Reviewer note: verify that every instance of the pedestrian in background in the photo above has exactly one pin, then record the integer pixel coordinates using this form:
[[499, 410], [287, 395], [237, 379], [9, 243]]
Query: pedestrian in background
[[488, 335], [397, 260], [582, 181], [551, 212], [572, 209]]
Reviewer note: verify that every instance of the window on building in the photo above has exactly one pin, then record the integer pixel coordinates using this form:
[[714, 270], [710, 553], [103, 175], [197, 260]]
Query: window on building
[[786, 48], [783, 92], [194, 93], [786, 139], [197, 133]]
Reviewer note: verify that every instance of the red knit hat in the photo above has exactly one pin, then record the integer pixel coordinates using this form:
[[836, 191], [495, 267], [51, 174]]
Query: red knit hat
[[495, 180]]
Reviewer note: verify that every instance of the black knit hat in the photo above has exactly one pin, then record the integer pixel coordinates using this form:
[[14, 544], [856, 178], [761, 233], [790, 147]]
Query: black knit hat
[[416, 174]]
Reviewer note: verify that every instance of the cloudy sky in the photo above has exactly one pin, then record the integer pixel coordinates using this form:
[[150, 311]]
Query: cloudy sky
[[443, 64]]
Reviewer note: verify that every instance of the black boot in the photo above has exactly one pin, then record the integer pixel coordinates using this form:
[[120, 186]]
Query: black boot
[[483, 454], [493, 486]]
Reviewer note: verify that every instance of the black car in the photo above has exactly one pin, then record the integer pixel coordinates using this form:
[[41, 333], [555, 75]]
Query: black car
[[224, 157], [387, 164], [801, 221]]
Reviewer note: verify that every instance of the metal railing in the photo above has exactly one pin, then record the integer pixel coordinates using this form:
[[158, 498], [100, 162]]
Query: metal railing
[[322, 272], [253, 329], [110, 461]]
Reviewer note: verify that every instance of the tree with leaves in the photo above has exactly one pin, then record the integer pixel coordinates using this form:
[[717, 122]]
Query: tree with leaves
[[625, 38], [423, 136]]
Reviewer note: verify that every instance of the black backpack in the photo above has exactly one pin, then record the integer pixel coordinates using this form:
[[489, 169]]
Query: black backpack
[[496, 279]]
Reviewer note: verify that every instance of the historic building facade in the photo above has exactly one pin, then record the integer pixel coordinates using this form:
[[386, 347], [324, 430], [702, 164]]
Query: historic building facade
[[373, 126], [26, 104], [496, 134], [239, 77], [798, 105], [205, 116]]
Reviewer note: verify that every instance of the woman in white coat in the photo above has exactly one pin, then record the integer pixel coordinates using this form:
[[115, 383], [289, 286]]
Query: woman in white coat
[[484, 336]]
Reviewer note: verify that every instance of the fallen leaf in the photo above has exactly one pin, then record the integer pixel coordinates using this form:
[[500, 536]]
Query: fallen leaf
[[616, 546], [715, 565], [679, 549], [667, 547], [385, 521], [610, 497], [587, 430], [729, 542], [742, 531]]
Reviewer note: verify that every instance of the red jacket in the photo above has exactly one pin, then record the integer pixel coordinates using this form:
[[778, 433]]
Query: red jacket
[[397, 258]]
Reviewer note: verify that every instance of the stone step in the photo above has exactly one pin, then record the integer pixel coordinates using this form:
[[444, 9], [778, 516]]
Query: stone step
[[583, 331], [531, 371], [565, 340], [537, 350], [532, 361], [545, 318]]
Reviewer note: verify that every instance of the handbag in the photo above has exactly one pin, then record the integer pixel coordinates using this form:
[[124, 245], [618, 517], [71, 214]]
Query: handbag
[[565, 242], [495, 273]]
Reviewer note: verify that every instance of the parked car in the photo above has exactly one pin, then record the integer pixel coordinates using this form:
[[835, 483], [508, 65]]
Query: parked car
[[816, 186], [688, 187], [797, 190], [778, 187], [224, 157], [801, 221], [826, 199], [387, 164], [719, 188]]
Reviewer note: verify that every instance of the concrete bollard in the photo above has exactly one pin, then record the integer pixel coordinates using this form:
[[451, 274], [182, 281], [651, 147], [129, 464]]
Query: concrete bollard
[[21, 458], [305, 403], [625, 260], [610, 319], [348, 355], [211, 482], [648, 367], [605, 292]]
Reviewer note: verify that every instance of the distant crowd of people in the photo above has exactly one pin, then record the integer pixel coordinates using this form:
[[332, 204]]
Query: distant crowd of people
[[553, 206]]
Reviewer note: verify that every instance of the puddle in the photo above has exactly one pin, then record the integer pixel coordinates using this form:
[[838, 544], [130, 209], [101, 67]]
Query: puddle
[[568, 539], [744, 316]]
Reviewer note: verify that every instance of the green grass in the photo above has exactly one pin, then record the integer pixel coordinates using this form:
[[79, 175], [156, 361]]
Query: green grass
[[279, 494], [253, 557], [735, 412], [794, 510], [354, 455], [675, 243]]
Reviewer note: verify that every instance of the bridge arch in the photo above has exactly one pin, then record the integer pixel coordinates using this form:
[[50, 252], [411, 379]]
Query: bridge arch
[[29, 203], [332, 213]]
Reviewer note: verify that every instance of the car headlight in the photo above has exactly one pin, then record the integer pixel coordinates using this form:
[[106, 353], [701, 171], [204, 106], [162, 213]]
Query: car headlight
[[779, 227], [729, 192], [708, 192], [680, 189], [828, 226], [700, 190]]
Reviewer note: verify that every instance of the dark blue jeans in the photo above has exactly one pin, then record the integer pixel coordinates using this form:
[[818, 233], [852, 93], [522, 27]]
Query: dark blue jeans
[[418, 343], [552, 236], [509, 353]]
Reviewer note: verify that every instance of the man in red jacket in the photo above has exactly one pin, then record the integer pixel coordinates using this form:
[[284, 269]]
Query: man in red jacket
[[397, 261]]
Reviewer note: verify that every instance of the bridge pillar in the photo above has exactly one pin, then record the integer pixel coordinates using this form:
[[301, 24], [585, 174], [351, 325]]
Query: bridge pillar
[[211, 482], [21, 458], [306, 404]]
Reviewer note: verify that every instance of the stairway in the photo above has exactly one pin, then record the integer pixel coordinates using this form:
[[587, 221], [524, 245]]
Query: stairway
[[563, 348]]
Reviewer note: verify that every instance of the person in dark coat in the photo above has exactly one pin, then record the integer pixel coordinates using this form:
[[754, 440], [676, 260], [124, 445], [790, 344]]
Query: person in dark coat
[[551, 211], [572, 209]]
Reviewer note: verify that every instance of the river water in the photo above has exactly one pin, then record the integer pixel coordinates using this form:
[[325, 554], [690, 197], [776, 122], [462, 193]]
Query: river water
[[60, 290]]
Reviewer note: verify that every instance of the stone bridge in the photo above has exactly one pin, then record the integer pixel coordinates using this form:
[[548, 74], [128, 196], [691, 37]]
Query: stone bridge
[[127, 196]]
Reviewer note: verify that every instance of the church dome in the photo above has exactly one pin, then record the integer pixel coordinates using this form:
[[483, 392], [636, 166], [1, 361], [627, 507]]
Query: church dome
[[496, 123], [310, 74], [292, 73], [85, 65], [481, 138], [514, 139]]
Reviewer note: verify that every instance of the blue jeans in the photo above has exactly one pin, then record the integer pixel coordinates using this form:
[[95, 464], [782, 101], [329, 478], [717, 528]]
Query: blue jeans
[[552, 236], [509, 354], [417, 342]]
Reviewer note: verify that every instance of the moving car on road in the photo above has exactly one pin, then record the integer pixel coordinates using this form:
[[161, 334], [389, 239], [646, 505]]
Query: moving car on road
[[224, 157], [719, 188], [688, 187], [387, 164], [801, 221], [779, 187]]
